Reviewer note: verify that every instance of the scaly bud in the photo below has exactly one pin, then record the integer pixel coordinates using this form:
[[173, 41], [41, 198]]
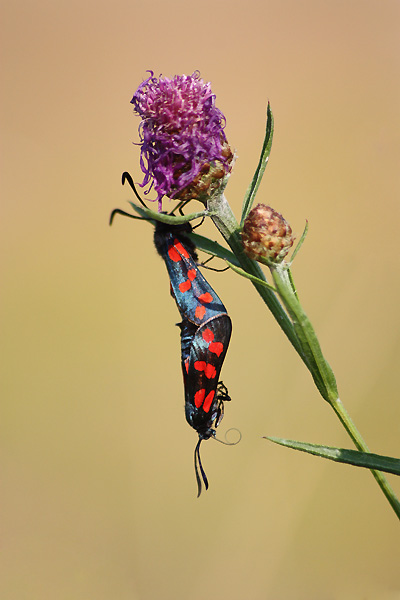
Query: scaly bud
[[266, 236]]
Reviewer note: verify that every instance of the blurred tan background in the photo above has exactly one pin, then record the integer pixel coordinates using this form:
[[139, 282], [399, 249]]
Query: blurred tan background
[[99, 494]]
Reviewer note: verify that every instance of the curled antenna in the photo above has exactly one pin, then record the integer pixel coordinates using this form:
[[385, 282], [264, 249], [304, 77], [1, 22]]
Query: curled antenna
[[127, 177], [198, 466], [117, 211], [226, 443]]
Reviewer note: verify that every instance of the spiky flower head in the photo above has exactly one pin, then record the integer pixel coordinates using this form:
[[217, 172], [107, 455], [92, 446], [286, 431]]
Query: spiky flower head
[[266, 236], [184, 151]]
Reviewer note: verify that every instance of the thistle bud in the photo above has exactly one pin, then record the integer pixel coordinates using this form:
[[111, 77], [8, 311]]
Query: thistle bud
[[266, 236]]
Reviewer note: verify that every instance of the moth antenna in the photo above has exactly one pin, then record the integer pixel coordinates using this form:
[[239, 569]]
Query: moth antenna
[[226, 443], [197, 465], [118, 211], [127, 177]]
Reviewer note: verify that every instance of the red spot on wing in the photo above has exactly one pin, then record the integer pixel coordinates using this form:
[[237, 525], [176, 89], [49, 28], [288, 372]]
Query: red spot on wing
[[208, 401], [199, 397], [181, 249], [200, 365], [206, 298], [216, 348], [192, 274], [187, 365], [185, 286], [200, 312], [174, 254], [208, 335], [209, 369]]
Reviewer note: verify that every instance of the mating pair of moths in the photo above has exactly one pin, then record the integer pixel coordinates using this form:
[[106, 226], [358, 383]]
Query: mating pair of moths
[[205, 331]]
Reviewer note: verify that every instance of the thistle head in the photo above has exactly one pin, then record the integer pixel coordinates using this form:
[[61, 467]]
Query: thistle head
[[266, 236], [184, 151]]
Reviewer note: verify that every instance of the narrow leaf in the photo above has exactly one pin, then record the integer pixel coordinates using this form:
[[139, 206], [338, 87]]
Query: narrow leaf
[[253, 278], [367, 460], [311, 350], [299, 243], [265, 152], [148, 214], [213, 248]]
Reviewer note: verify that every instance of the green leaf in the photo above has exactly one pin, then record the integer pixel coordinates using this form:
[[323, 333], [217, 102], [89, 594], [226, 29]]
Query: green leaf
[[367, 460], [311, 350], [253, 278], [212, 248], [148, 214], [299, 243], [265, 152]]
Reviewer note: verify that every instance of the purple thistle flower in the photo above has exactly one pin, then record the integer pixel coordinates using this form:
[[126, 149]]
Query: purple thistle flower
[[184, 151]]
